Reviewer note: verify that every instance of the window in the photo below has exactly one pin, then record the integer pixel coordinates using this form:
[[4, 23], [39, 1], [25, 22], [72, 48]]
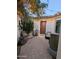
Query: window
[[58, 26]]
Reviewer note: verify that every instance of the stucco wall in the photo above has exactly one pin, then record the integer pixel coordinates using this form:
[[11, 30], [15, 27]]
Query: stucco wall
[[37, 25], [50, 27], [50, 24]]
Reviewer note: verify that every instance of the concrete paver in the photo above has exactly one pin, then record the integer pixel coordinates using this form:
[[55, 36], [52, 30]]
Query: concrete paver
[[35, 48]]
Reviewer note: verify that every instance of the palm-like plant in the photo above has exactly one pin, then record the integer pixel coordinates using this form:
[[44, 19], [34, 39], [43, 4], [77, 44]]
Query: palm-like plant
[[37, 7], [41, 9]]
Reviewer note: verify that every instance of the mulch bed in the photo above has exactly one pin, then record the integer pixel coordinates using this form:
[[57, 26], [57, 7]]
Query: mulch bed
[[23, 41]]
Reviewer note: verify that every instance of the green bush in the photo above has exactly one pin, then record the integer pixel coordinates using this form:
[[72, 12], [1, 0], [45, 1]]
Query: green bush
[[26, 25]]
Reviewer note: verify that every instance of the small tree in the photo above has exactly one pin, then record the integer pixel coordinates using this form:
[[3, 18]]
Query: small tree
[[26, 25], [38, 7]]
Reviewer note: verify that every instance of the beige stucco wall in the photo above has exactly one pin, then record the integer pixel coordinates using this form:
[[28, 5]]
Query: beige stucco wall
[[50, 25]]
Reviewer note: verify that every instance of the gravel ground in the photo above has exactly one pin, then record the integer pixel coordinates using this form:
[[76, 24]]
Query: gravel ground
[[35, 48]]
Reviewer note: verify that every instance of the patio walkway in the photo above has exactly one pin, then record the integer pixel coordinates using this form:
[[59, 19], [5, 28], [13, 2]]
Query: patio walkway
[[35, 48]]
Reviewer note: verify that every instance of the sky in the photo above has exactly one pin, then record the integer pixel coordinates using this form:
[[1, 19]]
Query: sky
[[54, 6]]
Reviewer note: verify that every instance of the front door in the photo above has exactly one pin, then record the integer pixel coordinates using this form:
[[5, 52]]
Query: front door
[[42, 27]]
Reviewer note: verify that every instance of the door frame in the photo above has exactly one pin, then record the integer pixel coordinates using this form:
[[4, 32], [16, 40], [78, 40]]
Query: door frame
[[41, 26]]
